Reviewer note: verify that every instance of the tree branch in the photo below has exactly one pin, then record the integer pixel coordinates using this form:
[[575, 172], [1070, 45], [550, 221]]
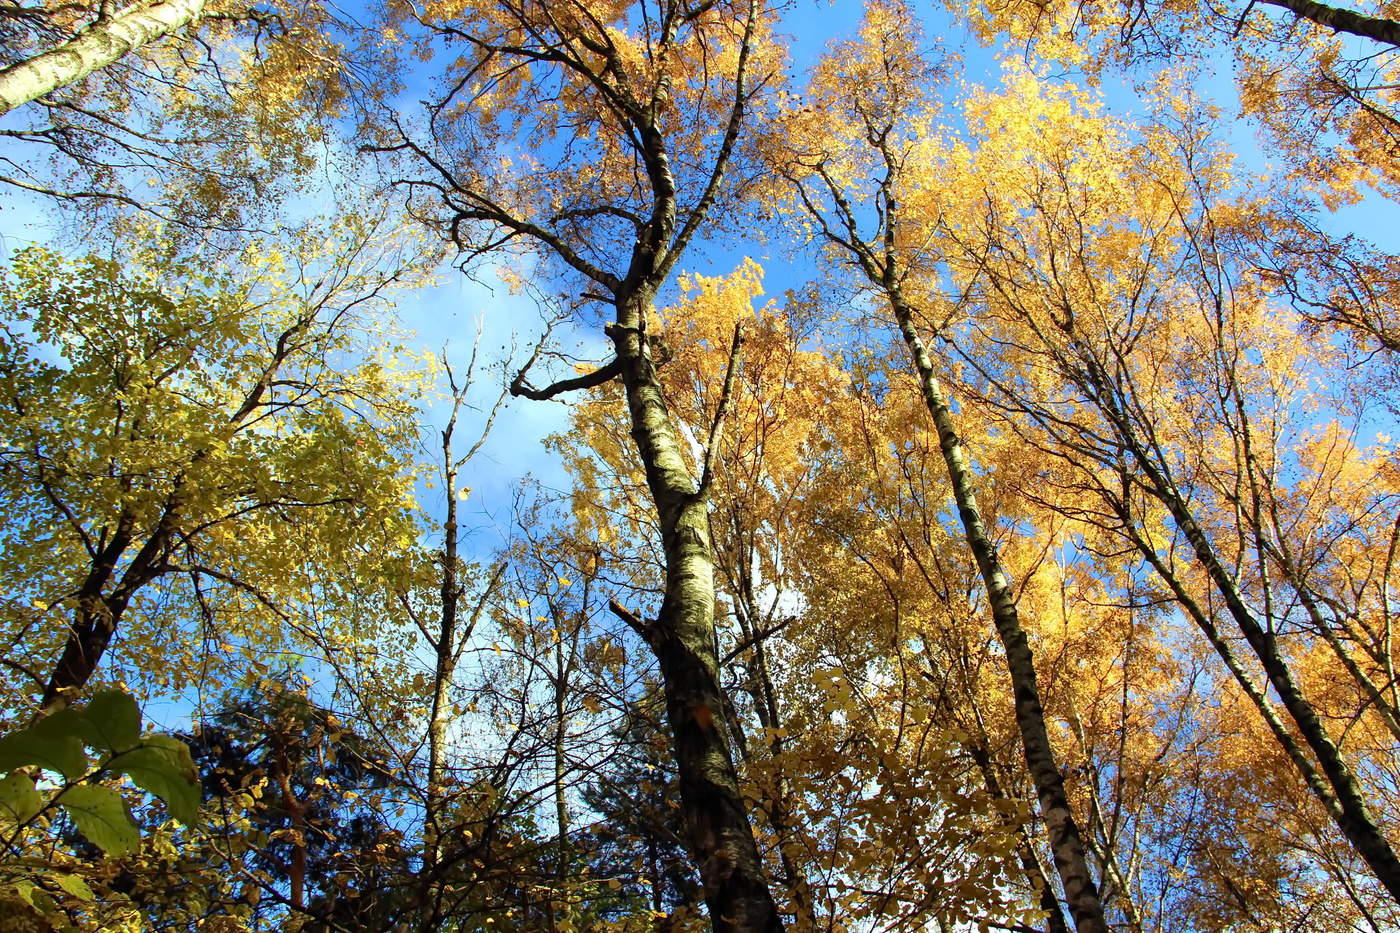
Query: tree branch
[[603, 374], [736, 352], [635, 622]]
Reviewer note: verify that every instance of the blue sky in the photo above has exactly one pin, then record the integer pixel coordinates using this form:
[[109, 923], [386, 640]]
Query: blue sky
[[448, 314]]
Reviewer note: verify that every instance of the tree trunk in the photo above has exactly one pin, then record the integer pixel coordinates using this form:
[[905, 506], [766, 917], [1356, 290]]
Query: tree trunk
[[559, 906], [1025, 850], [752, 621], [1066, 843], [100, 45], [97, 614], [1352, 815], [1355, 819], [1223, 650], [444, 650], [683, 639], [1338, 19], [1102, 838]]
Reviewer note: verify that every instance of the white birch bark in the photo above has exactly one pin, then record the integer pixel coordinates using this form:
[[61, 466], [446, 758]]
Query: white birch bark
[[102, 44]]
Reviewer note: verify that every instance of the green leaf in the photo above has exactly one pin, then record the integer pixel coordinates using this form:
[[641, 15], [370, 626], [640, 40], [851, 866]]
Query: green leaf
[[36, 896], [54, 749], [19, 801], [24, 890], [114, 720], [75, 886], [163, 766], [100, 814]]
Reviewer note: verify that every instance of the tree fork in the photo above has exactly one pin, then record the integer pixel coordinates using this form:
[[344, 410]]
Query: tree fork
[[682, 638]]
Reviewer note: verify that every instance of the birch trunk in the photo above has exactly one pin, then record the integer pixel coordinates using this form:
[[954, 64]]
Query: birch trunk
[[683, 638], [1066, 843], [1025, 849], [100, 45], [1339, 19], [1355, 818], [1345, 802]]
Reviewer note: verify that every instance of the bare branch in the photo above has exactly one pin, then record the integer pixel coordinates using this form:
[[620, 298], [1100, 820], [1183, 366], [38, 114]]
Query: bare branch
[[587, 381], [635, 622], [736, 352]]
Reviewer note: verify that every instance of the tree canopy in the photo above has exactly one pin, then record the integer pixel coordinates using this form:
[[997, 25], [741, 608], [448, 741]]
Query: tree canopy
[[971, 500]]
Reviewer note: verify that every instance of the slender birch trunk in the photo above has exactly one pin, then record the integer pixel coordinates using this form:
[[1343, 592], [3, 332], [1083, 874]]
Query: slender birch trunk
[[1025, 850], [764, 695], [1066, 842], [1355, 818], [1101, 840], [1339, 19], [559, 907], [448, 642], [1193, 609], [1337, 786], [98, 46], [1352, 815]]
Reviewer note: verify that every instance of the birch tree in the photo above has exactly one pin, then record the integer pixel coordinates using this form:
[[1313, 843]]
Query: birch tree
[[637, 140], [886, 74], [1148, 326], [107, 39], [202, 113]]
